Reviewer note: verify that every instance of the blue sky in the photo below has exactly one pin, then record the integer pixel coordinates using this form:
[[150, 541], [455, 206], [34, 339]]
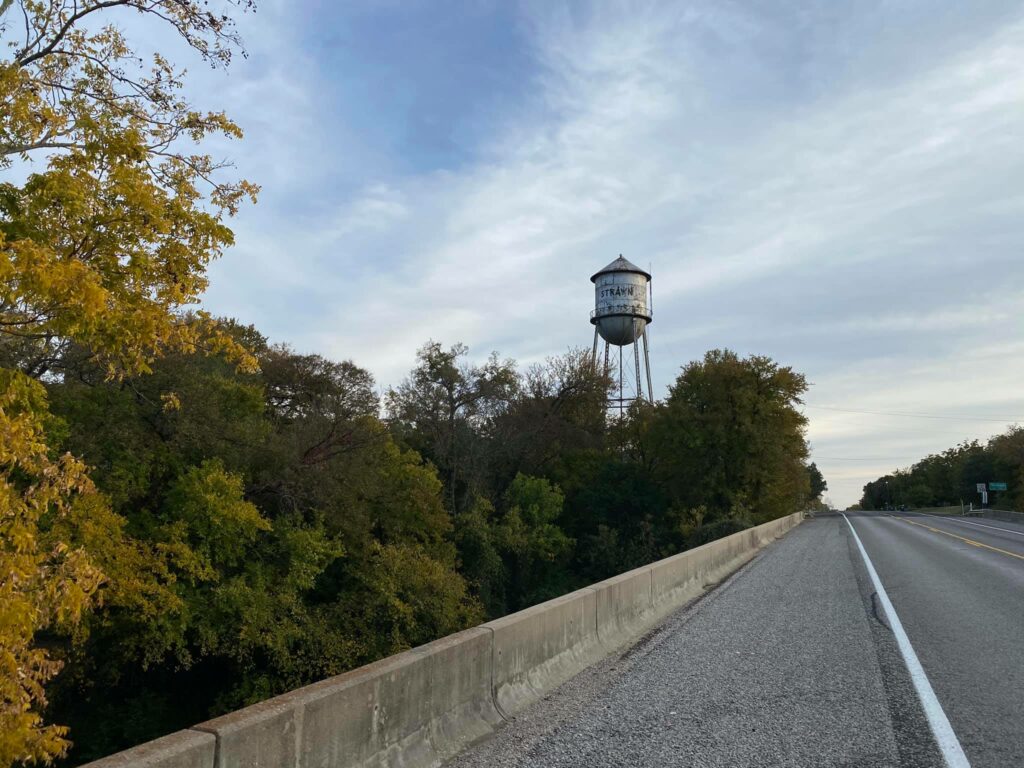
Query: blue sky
[[430, 86], [836, 185]]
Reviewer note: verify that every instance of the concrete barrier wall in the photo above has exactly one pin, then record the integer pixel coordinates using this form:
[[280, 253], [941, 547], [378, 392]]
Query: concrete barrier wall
[[538, 649], [184, 749], [1005, 515], [954, 510], [991, 514], [623, 607], [420, 707]]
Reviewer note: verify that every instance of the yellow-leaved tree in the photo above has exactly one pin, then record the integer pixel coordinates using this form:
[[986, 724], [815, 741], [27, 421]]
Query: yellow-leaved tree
[[109, 216]]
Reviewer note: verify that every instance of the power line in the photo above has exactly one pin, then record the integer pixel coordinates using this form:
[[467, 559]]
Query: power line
[[916, 415], [863, 458]]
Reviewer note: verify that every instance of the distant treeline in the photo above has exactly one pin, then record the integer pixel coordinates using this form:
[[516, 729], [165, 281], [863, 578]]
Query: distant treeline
[[950, 478], [261, 530]]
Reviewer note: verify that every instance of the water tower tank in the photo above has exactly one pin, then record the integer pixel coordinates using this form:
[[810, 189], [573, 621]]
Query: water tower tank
[[621, 309]]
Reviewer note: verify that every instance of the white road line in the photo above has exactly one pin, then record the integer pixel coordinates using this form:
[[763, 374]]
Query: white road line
[[976, 525], [948, 743]]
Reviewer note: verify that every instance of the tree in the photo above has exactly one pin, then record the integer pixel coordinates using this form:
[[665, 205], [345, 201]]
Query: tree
[[443, 409], [534, 548], [107, 237], [817, 482], [617, 511], [105, 242], [559, 410], [477, 541], [266, 533], [1008, 452], [731, 438], [40, 585], [948, 478]]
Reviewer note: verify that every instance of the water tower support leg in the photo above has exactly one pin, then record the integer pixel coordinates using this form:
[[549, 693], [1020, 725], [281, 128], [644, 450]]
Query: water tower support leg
[[621, 394], [593, 357], [647, 365], [639, 378]]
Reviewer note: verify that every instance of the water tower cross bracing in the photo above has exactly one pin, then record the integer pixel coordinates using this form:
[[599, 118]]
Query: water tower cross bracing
[[622, 312]]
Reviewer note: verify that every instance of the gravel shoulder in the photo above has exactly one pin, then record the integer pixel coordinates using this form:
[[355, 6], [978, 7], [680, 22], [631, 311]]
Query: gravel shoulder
[[786, 663]]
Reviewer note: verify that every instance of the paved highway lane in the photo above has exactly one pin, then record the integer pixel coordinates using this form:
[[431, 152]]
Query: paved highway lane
[[791, 662], [995, 535], [958, 588]]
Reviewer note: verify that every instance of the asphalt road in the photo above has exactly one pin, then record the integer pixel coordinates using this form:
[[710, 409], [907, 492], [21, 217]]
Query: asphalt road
[[958, 587], [791, 662]]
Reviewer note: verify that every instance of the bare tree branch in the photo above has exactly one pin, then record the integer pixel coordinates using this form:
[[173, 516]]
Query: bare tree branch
[[23, 58]]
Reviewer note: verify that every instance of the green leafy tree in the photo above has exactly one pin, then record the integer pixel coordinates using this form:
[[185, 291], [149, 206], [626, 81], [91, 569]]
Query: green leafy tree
[[214, 602], [477, 540], [534, 548], [730, 436], [818, 486], [560, 410], [1008, 465], [209, 514], [444, 410], [612, 496], [267, 532]]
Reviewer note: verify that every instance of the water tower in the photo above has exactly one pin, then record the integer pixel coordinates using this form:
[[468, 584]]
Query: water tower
[[622, 312]]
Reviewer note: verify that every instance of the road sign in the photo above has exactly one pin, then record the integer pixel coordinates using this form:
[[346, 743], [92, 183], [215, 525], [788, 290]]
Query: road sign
[[981, 488], [997, 486]]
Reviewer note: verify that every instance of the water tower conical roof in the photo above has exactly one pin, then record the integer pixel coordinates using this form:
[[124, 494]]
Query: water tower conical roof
[[621, 265]]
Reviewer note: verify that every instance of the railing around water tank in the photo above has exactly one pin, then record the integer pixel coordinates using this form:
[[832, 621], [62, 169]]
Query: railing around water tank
[[634, 309]]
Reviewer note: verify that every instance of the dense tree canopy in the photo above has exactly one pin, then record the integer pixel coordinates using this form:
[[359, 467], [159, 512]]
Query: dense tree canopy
[[274, 528], [950, 478]]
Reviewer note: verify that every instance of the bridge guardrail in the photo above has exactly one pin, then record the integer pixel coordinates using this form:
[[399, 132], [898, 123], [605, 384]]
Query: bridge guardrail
[[1005, 515]]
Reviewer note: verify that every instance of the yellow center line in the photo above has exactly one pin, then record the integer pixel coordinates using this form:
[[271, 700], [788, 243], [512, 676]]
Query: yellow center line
[[972, 542]]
